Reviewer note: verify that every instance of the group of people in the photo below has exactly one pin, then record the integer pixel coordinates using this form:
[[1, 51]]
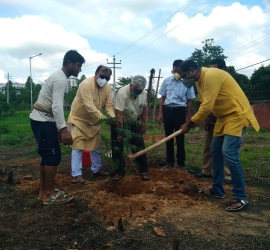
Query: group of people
[[82, 130], [224, 109]]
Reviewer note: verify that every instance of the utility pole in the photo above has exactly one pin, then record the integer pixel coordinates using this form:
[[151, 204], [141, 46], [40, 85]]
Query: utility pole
[[154, 111], [114, 82], [8, 76], [149, 90]]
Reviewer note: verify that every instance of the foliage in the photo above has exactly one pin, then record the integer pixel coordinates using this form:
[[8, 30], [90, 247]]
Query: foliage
[[260, 79], [72, 92], [242, 80], [209, 51]]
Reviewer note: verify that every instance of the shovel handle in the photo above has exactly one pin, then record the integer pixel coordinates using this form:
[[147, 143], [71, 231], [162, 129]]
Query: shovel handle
[[154, 145]]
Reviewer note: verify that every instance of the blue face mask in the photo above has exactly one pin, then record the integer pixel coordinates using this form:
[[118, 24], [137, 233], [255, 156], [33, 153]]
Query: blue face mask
[[134, 94]]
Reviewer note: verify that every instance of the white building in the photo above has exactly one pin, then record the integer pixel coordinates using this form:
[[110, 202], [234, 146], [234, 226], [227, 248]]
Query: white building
[[18, 87]]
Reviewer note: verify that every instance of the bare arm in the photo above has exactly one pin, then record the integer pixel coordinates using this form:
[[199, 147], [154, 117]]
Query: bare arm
[[161, 102]]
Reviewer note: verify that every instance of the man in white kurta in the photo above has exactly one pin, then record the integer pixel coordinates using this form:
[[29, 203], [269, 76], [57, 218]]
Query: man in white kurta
[[93, 95]]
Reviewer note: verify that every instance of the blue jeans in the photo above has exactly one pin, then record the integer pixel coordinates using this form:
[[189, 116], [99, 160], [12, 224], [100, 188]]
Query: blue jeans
[[227, 148]]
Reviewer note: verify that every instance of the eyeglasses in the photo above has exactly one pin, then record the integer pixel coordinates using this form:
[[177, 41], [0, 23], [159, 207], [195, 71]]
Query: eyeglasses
[[104, 77]]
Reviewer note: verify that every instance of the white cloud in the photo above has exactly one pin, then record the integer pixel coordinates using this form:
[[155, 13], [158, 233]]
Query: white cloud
[[2, 77], [35, 35]]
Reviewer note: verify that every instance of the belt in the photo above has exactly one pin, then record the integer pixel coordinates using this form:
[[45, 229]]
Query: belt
[[174, 108]]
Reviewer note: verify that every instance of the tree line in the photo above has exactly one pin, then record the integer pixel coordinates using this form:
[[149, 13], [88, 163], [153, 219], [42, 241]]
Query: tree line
[[257, 86]]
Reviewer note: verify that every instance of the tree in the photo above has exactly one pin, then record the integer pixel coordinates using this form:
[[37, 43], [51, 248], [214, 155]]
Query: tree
[[241, 79], [260, 79], [204, 56], [72, 92]]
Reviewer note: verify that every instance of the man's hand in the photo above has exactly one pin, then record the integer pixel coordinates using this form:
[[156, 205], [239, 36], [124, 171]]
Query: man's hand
[[66, 137], [143, 127], [160, 118], [186, 127]]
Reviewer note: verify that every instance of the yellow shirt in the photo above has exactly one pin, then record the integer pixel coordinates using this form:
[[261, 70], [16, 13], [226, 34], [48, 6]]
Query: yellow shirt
[[220, 94], [86, 112]]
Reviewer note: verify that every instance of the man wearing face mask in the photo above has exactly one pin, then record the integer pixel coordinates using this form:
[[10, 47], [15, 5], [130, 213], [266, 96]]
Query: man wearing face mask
[[209, 124], [220, 94], [93, 95], [130, 107], [175, 107]]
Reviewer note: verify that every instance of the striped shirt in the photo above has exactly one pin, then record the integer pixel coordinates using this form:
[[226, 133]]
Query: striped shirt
[[175, 93]]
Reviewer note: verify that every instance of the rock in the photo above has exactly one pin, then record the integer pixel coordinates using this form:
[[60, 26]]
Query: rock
[[152, 221], [159, 232], [28, 177]]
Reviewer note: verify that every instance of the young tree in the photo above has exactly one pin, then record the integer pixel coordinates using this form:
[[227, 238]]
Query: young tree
[[209, 51]]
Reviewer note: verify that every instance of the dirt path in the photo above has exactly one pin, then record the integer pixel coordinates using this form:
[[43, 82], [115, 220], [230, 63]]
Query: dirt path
[[169, 202]]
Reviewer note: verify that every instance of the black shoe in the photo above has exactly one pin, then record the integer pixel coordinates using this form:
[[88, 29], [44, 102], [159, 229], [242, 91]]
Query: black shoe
[[227, 181], [167, 167], [182, 167], [202, 175], [101, 173]]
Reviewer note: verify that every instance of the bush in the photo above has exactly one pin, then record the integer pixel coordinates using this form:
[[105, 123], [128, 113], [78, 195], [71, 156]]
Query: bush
[[4, 129]]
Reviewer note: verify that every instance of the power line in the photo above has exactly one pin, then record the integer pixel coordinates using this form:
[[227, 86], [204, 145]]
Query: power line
[[158, 26], [148, 33], [243, 47], [169, 31], [253, 65], [251, 51]]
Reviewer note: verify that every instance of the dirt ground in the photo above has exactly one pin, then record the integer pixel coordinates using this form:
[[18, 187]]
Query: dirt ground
[[163, 213]]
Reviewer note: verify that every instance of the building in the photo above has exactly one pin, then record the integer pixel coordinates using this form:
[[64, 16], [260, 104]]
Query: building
[[16, 85]]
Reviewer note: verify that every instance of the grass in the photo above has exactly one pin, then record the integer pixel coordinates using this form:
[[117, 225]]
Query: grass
[[15, 132]]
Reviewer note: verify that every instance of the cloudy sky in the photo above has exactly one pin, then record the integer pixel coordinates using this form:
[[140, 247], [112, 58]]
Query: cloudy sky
[[142, 34]]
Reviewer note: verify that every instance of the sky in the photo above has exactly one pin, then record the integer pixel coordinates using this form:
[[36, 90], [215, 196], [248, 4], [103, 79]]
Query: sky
[[140, 34]]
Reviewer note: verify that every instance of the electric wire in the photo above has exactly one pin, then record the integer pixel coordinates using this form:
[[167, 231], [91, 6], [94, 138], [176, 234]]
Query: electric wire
[[168, 31], [148, 33]]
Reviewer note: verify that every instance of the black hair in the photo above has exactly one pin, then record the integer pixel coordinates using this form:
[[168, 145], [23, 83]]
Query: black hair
[[100, 66], [221, 64], [73, 56], [177, 63], [186, 65]]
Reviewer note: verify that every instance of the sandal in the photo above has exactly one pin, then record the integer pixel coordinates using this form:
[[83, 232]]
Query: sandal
[[53, 200], [117, 177], [211, 193], [145, 176], [55, 190], [238, 208]]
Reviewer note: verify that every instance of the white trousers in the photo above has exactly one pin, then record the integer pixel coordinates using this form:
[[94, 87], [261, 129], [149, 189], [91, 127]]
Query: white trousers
[[76, 160]]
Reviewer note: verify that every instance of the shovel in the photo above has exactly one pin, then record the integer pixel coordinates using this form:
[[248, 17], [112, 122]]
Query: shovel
[[154, 145]]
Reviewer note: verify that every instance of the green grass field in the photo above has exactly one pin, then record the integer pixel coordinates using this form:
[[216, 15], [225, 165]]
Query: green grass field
[[15, 132]]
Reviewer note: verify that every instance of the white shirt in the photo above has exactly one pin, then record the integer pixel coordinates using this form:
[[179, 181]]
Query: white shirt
[[130, 106], [51, 98]]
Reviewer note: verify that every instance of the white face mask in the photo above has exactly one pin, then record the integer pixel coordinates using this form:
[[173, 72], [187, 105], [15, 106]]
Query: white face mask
[[101, 82]]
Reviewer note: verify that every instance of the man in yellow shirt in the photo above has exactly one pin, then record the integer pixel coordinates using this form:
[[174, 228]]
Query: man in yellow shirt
[[220, 94], [94, 94]]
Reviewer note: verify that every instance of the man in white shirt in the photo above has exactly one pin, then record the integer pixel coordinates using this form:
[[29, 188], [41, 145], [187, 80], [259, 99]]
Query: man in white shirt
[[130, 105], [48, 124]]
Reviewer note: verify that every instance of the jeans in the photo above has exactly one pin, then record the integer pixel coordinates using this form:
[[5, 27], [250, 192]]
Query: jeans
[[227, 148]]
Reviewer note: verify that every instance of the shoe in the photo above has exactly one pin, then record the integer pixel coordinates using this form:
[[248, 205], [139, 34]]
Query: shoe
[[117, 177], [182, 168], [54, 200], [202, 175], [166, 167], [101, 173], [210, 192], [79, 179], [227, 181], [238, 208], [145, 176]]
